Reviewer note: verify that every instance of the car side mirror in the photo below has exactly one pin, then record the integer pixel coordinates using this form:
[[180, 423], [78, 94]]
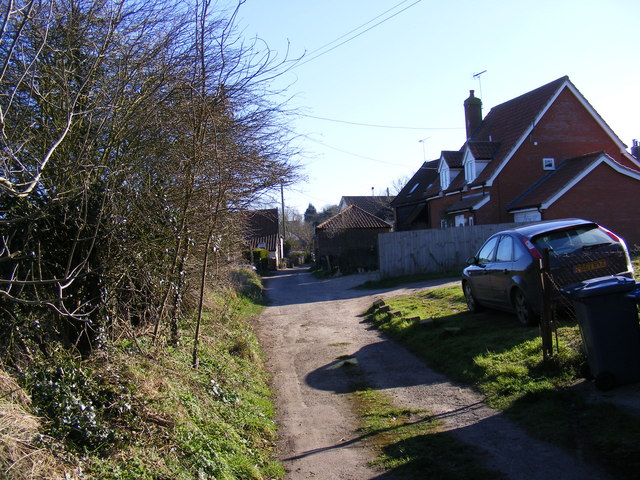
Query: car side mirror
[[472, 261]]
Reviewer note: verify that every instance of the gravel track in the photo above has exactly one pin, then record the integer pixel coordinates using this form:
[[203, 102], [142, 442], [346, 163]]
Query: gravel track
[[309, 323]]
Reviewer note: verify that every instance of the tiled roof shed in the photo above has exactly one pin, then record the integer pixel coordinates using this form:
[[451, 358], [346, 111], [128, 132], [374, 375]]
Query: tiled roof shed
[[349, 240], [353, 217], [377, 205]]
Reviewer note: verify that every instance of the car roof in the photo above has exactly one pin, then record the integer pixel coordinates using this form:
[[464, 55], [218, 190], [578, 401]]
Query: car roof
[[537, 228]]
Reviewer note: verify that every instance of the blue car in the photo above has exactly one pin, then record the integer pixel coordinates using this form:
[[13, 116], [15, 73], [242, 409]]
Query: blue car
[[505, 273]]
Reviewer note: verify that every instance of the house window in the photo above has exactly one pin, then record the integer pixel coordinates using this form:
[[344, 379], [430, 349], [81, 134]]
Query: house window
[[528, 216], [445, 178], [471, 221], [470, 171], [460, 221], [548, 163], [444, 223]]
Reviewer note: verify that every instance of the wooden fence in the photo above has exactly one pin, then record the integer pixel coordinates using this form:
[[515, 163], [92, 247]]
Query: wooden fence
[[431, 250]]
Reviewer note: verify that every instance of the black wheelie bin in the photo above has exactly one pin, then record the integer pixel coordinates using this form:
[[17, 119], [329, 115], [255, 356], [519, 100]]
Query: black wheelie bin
[[608, 318]]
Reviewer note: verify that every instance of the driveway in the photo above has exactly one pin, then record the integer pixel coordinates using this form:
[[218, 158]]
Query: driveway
[[311, 322]]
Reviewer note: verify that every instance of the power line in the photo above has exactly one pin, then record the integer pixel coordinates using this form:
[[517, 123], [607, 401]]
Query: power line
[[355, 154], [357, 28], [397, 127], [358, 34]]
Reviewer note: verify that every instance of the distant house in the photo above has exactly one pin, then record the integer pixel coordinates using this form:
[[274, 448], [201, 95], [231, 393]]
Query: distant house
[[349, 240], [262, 230], [378, 205], [544, 155]]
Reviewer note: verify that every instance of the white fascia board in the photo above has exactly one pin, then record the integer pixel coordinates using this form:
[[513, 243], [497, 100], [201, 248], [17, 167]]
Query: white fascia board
[[526, 134], [477, 206], [603, 159], [442, 164], [600, 121], [467, 156], [482, 202], [524, 210]]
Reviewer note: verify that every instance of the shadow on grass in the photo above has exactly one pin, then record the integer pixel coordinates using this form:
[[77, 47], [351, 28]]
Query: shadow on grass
[[599, 433], [451, 343], [438, 456]]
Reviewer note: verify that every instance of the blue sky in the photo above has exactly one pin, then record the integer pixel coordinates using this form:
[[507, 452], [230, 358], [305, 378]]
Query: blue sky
[[415, 69]]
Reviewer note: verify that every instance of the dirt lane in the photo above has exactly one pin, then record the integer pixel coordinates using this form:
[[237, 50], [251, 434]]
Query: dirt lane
[[309, 324]]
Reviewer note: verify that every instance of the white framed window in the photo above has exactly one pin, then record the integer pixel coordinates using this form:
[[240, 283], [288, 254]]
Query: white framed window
[[445, 178], [460, 221], [548, 163], [527, 216], [470, 170], [471, 222]]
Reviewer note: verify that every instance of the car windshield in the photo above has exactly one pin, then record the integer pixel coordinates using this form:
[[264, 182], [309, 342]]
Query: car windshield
[[571, 240]]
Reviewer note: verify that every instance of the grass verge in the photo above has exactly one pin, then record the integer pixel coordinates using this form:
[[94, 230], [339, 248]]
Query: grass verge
[[139, 411], [411, 443], [391, 282], [503, 360]]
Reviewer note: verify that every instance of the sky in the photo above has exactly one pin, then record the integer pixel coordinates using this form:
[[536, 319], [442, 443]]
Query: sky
[[381, 83]]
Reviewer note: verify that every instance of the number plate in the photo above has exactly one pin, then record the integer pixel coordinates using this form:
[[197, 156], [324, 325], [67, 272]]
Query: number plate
[[588, 266]]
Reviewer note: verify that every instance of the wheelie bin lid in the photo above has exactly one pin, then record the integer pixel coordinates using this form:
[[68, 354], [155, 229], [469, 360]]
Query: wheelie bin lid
[[600, 286], [635, 295]]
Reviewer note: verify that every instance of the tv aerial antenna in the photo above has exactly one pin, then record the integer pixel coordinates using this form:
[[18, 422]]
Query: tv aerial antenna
[[477, 75]]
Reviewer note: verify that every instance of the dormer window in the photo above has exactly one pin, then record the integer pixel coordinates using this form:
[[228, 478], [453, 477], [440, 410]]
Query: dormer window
[[445, 176], [470, 169]]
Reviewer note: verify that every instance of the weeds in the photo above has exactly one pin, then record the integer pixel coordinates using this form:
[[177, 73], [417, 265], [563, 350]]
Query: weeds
[[140, 411]]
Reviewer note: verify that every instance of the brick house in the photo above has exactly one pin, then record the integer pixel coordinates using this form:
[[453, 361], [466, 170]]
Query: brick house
[[349, 240], [544, 155]]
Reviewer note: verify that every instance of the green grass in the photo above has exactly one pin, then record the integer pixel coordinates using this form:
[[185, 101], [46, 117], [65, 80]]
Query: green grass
[[216, 421], [411, 443], [503, 360], [391, 282]]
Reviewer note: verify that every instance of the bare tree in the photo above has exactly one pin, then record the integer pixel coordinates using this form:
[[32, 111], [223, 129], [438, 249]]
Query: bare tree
[[131, 134]]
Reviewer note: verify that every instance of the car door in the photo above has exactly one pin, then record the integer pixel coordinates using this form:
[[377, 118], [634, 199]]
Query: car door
[[500, 271], [479, 271]]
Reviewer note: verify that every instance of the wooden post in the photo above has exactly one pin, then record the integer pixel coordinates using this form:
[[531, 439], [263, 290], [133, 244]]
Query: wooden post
[[546, 331]]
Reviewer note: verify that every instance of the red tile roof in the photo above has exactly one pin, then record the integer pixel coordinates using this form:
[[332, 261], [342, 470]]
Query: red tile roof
[[260, 223], [416, 189], [558, 180], [378, 205], [468, 203], [353, 217], [483, 150], [453, 158], [508, 122]]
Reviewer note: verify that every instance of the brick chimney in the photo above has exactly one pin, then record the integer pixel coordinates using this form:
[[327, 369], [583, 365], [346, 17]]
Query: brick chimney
[[472, 113]]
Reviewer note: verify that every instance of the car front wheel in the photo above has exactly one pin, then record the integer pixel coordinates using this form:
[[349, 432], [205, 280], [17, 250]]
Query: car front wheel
[[523, 310], [472, 303]]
